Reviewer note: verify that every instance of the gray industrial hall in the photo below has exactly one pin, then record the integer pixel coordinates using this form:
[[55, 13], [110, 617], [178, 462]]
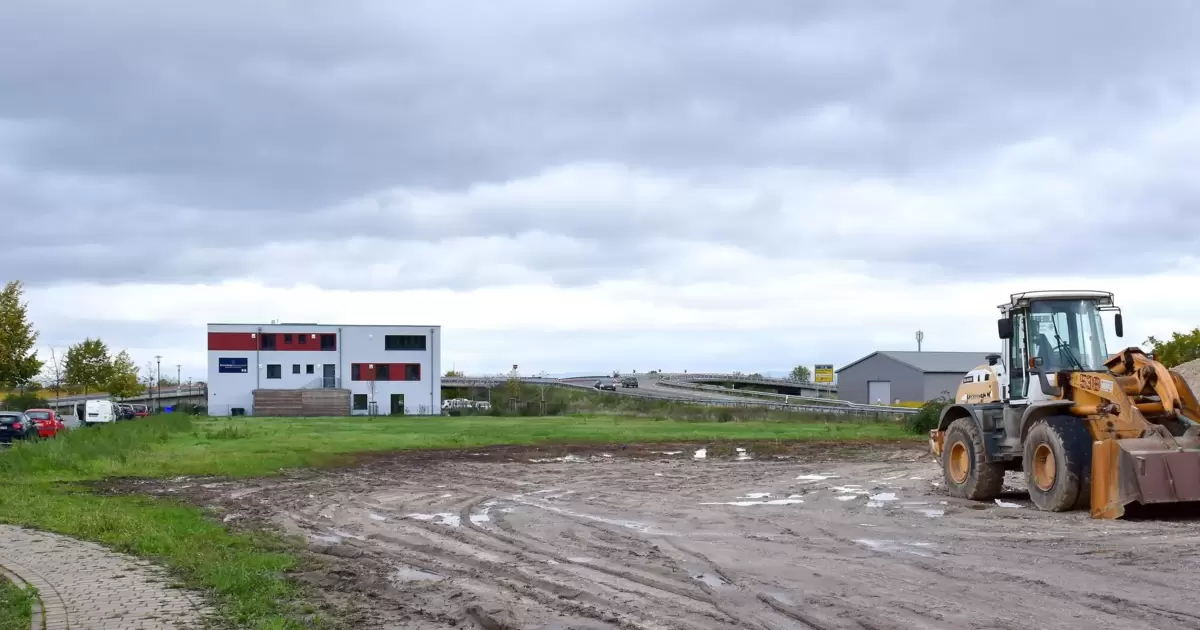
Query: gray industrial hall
[[886, 377]]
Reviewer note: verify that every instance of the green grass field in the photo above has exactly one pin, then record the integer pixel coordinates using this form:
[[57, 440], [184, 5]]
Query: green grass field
[[16, 606], [43, 483]]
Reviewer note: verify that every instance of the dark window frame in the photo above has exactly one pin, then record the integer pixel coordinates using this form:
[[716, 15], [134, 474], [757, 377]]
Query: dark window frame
[[295, 368], [406, 343], [383, 372], [310, 369], [355, 400], [277, 369], [267, 341], [328, 341], [287, 339], [302, 340], [356, 371], [412, 372]]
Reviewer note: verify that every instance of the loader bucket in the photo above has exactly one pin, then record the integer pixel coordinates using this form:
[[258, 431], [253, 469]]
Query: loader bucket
[[1146, 470]]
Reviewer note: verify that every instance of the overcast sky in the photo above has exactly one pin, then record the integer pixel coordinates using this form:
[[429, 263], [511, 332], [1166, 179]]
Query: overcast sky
[[598, 184]]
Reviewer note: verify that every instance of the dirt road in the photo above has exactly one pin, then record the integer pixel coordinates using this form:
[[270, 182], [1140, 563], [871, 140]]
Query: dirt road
[[655, 538]]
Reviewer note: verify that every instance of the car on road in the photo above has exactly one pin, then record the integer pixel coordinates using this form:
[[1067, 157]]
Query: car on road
[[606, 385], [127, 411], [47, 421], [97, 412], [141, 411], [15, 425], [629, 381]]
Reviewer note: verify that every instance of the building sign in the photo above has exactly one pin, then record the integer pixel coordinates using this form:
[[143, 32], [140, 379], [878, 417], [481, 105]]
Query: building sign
[[233, 365], [823, 373]]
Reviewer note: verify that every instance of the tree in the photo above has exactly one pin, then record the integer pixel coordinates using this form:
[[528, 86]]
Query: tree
[[52, 374], [123, 378], [454, 373], [19, 362], [1182, 347], [87, 365], [801, 373]]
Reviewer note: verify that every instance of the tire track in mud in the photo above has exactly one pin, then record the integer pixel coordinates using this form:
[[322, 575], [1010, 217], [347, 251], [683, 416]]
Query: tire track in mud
[[536, 546]]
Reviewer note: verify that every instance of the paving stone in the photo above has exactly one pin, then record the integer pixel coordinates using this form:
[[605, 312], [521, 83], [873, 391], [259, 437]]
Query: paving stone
[[85, 586]]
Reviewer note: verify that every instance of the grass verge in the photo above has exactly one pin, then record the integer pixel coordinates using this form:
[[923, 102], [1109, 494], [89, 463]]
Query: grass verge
[[16, 606], [245, 573]]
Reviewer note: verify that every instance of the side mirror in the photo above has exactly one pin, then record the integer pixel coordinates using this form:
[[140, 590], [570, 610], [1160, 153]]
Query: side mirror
[[1120, 325], [1005, 327]]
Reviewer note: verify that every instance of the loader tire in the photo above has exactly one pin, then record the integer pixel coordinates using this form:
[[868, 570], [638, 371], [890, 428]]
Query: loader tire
[[967, 473], [1058, 464]]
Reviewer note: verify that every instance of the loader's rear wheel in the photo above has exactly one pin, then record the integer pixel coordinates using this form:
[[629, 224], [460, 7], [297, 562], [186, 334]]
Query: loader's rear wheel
[[967, 473], [1058, 464]]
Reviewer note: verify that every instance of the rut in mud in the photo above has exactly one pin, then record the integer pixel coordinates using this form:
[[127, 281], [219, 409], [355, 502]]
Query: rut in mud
[[658, 538]]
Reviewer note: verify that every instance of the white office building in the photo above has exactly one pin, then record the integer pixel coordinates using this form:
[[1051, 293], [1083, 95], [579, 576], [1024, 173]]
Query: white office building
[[377, 370]]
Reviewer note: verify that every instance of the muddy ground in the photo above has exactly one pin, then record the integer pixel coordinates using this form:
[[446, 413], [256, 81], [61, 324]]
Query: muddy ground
[[812, 536]]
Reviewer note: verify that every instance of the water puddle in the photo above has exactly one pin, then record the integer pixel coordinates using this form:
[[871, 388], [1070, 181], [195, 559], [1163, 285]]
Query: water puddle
[[884, 496], [811, 478], [932, 512], [1006, 504], [756, 495], [671, 452], [448, 519], [700, 453], [897, 546], [788, 501], [712, 580], [481, 517], [409, 574], [847, 497]]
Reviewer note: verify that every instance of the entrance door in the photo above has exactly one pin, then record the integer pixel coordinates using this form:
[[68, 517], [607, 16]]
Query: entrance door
[[879, 392], [1018, 358], [329, 376], [397, 404]]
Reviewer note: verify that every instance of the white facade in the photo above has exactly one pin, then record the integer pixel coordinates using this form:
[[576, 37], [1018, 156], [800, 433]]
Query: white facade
[[353, 360]]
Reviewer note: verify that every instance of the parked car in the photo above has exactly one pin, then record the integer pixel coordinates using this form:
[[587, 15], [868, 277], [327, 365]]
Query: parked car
[[98, 412], [606, 385], [141, 411], [48, 423], [629, 381], [127, 412], [15, 425]]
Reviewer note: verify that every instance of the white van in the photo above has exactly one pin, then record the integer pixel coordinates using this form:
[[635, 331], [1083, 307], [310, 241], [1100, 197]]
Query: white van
[[99, 412]]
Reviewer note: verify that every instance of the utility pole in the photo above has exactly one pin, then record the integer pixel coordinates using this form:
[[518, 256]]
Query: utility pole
[[178, 385], [920, 338], [158, 370]]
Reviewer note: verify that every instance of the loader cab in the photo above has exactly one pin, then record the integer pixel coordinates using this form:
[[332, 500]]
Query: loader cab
[[1046, 332]]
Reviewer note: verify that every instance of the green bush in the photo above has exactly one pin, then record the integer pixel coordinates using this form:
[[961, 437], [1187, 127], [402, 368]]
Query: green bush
[[926, 419]]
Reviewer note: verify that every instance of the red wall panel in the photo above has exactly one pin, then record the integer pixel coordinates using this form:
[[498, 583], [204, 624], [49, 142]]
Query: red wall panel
[[231, 341]]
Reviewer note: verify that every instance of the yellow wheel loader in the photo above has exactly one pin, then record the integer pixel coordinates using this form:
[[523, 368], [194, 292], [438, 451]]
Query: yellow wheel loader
[[1088, 429]]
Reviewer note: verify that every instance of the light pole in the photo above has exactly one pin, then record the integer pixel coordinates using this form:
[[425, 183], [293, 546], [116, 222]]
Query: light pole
[[158, 370], [178, 384]]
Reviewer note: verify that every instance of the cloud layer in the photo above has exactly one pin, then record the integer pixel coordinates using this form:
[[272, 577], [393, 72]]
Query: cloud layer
[[676, 165]]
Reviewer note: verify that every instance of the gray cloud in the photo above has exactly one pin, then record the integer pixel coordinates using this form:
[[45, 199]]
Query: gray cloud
[[375, 144]]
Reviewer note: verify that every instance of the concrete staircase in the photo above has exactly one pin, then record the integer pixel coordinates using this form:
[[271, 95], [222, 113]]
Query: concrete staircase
[[301, 402]]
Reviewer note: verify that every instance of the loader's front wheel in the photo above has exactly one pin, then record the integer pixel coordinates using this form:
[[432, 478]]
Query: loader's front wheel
[[968, 475], [1057, 462]]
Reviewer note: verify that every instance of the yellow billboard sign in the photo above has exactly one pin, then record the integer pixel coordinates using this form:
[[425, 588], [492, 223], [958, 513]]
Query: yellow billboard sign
[[823, 373]]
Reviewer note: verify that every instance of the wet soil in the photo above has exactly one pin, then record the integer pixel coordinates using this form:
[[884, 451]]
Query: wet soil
[[803, 536]]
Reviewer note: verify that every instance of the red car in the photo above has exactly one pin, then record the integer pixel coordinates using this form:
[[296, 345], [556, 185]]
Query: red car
[[47, 421]]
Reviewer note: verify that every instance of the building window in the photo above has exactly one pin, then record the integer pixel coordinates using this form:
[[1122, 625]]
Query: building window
[[274, 370], [412, 372], [287, 339], [328, 341], [404, 342], [295, 368], [308, 369], [303, 339], [268, 341], [383, 372], [360, 402], [356, 371]]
